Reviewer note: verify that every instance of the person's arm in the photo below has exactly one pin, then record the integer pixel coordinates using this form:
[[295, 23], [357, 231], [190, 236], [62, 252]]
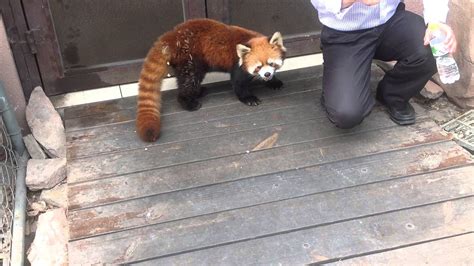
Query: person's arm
[[437, 13], [347, 3]]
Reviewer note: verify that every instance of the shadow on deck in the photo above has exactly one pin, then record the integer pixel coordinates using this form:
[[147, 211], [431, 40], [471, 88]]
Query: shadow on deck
[[277, 183]]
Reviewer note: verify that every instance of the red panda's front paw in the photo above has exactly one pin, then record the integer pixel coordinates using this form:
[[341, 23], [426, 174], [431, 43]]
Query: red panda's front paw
[[274, 83], [250, 100]]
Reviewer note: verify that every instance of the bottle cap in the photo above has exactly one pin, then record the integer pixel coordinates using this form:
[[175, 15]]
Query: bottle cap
[[433, 26]]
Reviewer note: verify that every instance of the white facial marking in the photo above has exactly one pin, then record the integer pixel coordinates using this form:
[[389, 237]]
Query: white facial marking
[[266, 72], [277, 62], [251, 69]]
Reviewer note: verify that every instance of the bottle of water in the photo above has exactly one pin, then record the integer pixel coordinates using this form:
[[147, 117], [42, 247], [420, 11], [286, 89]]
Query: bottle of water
[[447, 68]]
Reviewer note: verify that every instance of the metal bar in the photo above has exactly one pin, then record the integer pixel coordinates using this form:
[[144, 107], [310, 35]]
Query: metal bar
[[11, 123], [19, 218]]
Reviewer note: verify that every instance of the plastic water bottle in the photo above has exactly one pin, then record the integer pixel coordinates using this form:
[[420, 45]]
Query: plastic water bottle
[[447, 68]]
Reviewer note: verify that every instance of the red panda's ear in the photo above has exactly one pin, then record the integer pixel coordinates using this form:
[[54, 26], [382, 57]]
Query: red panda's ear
[[277, 39], [242, 50]]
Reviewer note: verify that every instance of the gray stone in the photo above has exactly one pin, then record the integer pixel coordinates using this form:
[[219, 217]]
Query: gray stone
[[50, 244], [36, 207], [46, 124], [45, 174], [460, 18], [56, 196], [33, 147], [432, 91], [415, 6]]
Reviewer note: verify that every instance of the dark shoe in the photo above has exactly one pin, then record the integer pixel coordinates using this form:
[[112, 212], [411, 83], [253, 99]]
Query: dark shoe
[[402, 113]]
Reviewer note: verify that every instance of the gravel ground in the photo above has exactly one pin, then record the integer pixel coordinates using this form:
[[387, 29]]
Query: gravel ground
[[441, 110]]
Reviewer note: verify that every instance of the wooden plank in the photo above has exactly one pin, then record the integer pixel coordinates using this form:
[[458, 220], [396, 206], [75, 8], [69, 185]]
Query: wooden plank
[[211, 122], [257, 190], [218, 101], [279, 224], [185, 126], [102, 108], [458, 250], [409, 161], [217, 94], [372, 234], [121, 112], [314, 137]]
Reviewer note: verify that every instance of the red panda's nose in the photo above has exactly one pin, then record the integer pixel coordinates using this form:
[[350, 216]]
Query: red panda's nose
[[268, 74]]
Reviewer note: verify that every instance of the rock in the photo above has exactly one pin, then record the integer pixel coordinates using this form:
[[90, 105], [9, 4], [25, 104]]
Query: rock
[[45, 174], [30, 226], [33, 147], [36, 208], [460, 18], [46, 124], [415, 6], [50, 244], [56, 196], [432, 91]]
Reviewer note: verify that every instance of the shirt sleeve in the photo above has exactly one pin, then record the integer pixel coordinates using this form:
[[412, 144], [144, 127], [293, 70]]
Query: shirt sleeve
[[331, 6], [435, 11]]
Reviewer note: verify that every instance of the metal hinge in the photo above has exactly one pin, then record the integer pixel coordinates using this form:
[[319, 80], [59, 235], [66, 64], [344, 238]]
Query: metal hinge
[[31, 40]]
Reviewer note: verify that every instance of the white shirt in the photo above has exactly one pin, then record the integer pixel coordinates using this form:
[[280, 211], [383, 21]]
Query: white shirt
[[359, 16]]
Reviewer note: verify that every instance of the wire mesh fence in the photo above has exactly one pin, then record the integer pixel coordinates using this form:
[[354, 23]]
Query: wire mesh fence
[[8, 164]]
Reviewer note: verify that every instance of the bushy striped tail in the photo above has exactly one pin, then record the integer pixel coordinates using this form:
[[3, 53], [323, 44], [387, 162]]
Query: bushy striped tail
[[155, 68]]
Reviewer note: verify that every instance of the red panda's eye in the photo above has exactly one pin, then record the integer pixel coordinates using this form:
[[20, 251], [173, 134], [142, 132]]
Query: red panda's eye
[[272, 65], [257, 69]]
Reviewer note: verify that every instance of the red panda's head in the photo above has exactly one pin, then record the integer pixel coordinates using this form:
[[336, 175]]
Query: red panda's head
[[262, 56]]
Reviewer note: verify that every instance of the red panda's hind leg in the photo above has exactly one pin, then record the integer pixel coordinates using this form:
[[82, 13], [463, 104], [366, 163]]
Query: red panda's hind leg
[[189, 80]]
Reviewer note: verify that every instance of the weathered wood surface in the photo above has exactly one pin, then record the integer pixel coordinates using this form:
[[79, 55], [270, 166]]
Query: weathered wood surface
[[315, 140], [205, 240], [457, 250], [436, 186], [278, 183], [169, 97], [254, 170]]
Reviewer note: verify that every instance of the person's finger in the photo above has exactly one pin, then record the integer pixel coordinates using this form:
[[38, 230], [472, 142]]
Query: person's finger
[[427, 37], [450, 41], [449, 37]]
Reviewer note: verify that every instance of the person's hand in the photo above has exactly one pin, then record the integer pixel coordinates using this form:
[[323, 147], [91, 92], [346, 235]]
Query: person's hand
[[450, 42], [348, 3], [370, 2]]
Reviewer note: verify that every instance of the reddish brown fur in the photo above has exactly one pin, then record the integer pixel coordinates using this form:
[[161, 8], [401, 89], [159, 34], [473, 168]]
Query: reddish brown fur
[[204, 40]]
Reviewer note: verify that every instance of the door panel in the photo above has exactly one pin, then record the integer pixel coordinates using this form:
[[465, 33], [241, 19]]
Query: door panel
[[84, 44], [297, 20], [102, 32]]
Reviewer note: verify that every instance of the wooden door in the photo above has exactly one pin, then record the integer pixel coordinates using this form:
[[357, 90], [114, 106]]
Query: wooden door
[[297, 20], [84, 44]]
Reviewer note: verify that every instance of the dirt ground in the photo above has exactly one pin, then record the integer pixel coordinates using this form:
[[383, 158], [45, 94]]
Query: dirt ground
[[441, 110]]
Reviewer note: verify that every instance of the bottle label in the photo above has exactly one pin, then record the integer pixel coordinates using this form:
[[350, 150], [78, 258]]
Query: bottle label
[[438, 49]]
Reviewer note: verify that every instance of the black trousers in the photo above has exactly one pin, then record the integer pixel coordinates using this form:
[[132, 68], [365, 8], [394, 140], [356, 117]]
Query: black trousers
[[347, 62]]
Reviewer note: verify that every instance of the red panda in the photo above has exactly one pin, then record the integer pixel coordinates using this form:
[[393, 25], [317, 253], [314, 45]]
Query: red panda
[[195, 48]]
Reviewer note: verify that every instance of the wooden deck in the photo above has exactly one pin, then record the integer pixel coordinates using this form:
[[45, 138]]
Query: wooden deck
[[277, 183]]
